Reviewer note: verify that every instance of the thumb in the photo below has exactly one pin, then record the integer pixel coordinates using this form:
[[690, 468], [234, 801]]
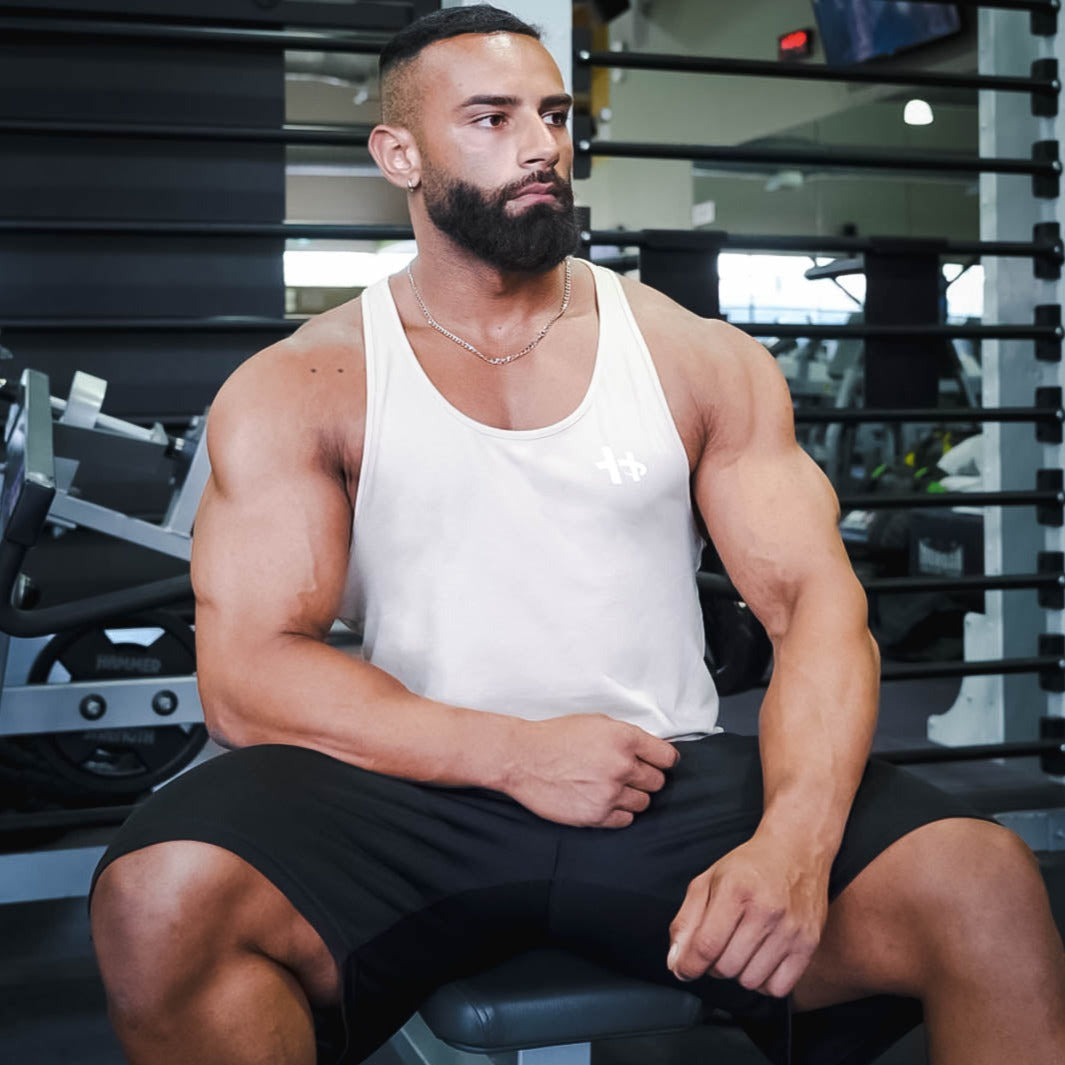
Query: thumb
[[680, 930]]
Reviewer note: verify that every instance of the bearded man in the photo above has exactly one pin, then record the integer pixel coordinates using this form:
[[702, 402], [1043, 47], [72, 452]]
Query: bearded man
[[497, 466]]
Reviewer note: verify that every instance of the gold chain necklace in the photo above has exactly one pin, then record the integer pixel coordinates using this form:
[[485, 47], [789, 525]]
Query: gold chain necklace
[[500, 360]]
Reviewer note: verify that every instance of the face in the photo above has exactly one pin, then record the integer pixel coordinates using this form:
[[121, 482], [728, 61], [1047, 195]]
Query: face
[[495, 151]]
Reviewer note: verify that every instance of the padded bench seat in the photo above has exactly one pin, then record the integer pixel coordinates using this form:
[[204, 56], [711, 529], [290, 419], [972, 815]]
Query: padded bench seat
[[550, 998]]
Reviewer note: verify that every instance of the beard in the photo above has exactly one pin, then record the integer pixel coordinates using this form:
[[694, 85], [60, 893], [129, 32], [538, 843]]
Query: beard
[[534, 241]]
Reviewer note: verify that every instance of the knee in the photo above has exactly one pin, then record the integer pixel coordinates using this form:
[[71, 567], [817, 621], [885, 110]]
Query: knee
[[978, 894], [151, 925], [989, 868]]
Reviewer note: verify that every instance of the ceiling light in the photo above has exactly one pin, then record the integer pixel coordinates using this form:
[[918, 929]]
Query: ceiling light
[[917, 113]]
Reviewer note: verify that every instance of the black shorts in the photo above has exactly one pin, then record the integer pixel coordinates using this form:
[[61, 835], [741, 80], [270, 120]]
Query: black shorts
[[411, 886]]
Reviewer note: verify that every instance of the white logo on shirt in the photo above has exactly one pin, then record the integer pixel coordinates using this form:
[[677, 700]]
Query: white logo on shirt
[[615, 466]]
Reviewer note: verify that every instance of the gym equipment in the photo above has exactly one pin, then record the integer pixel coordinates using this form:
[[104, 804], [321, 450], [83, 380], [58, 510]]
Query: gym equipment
[[544, 1007], [109, 706], [99, 766]]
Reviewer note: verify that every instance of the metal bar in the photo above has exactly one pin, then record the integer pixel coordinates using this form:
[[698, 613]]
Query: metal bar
[[927, 755], [27, 709], [386, 17], [719, 585], [95, 815], [597, 238], [1048, 6], [280, 230], [305, 40], [336, 136], [837, 332], [826, 157], [233, 324], [811, 72], [29, 876], [634, 238], [960, 415], [927, 500], [1002, 582], [993, 668], [112, 523], [181, 515], [237, 324]]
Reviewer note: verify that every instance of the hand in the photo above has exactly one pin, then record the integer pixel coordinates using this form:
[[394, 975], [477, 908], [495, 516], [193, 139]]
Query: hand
[[588, 770], [756, 916]]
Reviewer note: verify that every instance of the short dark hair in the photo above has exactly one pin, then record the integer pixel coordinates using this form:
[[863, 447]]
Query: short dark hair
[[406, 45]]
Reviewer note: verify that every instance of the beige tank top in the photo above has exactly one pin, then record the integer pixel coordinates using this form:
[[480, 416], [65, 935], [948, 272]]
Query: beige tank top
[[533, 572]]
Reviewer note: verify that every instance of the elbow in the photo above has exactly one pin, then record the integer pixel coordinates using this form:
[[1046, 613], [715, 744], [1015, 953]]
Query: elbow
[[874, 648], [226, 725]]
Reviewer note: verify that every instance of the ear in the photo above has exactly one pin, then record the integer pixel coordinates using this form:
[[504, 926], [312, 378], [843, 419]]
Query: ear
[[396, 154]]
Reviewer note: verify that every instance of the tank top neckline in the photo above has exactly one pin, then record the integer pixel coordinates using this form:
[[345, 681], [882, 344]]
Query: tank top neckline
[[407, 353]]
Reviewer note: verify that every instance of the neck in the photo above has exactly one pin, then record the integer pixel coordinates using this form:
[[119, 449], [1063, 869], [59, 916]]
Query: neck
[[492, 301]]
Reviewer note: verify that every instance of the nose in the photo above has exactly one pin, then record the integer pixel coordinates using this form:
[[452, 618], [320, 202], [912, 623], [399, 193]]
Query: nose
[[540, 144]]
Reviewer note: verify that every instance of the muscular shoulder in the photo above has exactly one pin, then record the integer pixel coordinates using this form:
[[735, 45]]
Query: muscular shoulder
[[303, 397], [723, 380]]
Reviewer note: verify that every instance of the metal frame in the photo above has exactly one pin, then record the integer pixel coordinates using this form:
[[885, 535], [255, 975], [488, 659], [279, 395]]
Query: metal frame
[[385, 16], [1010, 624], [416, 1045], [26, 709], [1046, 168], [1043, 82]]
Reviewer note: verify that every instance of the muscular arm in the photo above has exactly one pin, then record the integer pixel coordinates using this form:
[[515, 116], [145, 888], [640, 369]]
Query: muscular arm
[[269, 561], [758, 914], [270, 555], [773, 515]]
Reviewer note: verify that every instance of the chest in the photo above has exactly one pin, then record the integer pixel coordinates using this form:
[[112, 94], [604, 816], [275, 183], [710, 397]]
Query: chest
[[545, 386], [540, 388]]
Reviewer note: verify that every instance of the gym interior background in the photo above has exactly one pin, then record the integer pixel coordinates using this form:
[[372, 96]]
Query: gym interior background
[[183, 180]]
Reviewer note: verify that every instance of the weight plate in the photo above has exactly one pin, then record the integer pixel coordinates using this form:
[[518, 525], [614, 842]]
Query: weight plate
[[738, 651], [119, 763]]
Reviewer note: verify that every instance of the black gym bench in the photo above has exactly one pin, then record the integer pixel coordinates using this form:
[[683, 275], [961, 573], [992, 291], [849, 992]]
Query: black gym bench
[[544, 1007]]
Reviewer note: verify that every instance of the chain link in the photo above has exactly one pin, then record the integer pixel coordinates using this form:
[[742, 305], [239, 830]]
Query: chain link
[[500, 360]]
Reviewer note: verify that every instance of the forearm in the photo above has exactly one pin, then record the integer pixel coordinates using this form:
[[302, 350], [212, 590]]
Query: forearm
[[303, 692], [817, 722]]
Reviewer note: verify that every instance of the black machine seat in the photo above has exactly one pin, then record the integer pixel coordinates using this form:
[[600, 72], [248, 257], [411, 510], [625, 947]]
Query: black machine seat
[[551, 998]]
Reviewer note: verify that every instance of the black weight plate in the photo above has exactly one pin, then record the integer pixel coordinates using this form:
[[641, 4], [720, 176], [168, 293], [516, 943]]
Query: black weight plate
[[121, 762], [738, 651]]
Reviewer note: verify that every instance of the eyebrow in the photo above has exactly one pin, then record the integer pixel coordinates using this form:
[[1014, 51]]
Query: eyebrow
[[559, 100]]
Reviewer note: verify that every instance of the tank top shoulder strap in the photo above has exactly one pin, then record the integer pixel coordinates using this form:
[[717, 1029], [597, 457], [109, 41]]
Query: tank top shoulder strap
[[380, 323], [622, 336]]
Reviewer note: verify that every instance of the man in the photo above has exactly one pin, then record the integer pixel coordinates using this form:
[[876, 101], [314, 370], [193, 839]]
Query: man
[[487, 465]]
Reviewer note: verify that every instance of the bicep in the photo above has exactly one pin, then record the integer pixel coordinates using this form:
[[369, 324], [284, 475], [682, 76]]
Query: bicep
[[272, 536], [769, 509]]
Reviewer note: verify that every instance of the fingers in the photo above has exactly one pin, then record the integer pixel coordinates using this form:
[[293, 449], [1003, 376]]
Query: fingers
[[627, 804], [645, 777], [776, 966], [632, 799], [701, 930], [717, 932], [749, 950], [656, 752], [786, 976]]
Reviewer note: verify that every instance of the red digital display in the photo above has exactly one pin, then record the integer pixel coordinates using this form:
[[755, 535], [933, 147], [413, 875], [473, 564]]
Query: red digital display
[[796, 45]]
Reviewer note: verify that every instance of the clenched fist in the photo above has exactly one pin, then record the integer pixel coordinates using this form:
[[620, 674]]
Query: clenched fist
[[756, 916], [588, 770]]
